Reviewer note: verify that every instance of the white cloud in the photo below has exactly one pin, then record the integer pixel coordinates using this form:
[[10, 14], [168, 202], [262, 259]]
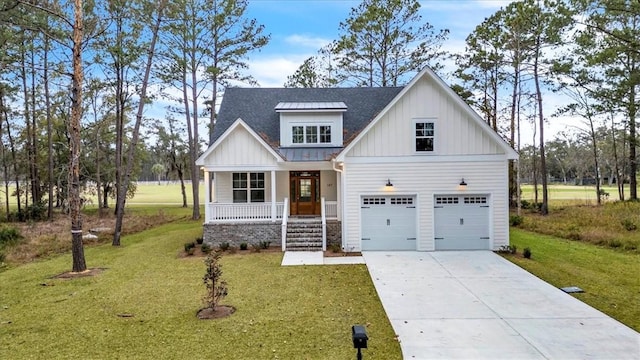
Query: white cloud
[[312, 42], [273, 71]]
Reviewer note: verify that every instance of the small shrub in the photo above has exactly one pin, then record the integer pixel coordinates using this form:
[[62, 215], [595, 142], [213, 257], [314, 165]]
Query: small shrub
[[629, 225], [199, 240], [516, 220], [526, 253], [189, 246], [335, 248], [206, 248], [191, 251], [9, 235], [224, 246], [255, 247], [264, 244], [216, 287], [244, 246], [37, 211], [615, 243]]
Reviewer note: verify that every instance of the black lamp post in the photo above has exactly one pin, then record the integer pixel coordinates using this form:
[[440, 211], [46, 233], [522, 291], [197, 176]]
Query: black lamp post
[[359, 335]]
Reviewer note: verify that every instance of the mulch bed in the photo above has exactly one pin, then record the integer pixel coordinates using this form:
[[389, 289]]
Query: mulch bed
[[220, 311]]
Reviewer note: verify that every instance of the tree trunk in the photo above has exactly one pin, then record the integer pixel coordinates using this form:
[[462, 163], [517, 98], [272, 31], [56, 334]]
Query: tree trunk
[[544, 209], [47, 102], [136, 130], [5, 168], [77, 249], [633, 143]]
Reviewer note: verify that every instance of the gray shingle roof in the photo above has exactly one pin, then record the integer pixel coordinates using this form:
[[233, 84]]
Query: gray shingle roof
[[256, 106]]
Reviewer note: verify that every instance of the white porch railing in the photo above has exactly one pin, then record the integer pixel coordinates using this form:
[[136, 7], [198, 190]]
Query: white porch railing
[[235, 212], [331, 209], [244, 212]]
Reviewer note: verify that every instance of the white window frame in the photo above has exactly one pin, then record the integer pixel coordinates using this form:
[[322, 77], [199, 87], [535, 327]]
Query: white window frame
[[306, 135], [434, 137], [248, 189]]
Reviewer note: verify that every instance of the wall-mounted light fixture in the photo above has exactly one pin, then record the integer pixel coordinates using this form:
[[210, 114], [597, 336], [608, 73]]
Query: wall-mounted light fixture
[[462, 185], [389, 184]]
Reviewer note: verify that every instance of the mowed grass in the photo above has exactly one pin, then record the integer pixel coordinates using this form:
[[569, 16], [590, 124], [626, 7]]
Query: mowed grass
[[571, 194], [609, 278], [301, 312], [147, 193]]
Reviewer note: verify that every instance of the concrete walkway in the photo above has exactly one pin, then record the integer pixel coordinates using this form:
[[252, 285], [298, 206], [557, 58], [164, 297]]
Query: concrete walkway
[[476, 305], [292, 258]]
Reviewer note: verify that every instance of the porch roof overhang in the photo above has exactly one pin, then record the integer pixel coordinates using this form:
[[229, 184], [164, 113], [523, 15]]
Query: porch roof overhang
[[307, 154]]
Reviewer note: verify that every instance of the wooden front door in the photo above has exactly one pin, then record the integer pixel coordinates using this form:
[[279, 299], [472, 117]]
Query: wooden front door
[[305, 192]]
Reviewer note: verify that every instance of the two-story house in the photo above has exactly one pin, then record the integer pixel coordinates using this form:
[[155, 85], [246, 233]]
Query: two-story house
[[410, 168]]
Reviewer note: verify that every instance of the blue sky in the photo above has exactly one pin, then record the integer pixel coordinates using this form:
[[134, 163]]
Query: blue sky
[[299, 28]]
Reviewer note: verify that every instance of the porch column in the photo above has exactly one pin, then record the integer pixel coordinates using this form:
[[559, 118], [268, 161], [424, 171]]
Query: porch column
[[207, 195], [274, 216]]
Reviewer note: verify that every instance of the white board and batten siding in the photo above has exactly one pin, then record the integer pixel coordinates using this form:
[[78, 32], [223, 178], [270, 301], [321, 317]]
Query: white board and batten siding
[[241, 149], [455, 132], [424, 181]]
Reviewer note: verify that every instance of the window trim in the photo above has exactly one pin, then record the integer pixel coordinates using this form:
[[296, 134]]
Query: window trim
[[248, 190], [306, 135], [434, 137]]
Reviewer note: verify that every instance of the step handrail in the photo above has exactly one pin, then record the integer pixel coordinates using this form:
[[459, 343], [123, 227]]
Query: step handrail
[[324, 224], [285, 217]]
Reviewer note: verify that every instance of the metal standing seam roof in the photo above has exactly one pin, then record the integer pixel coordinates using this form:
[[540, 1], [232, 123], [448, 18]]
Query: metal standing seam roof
[[293, 106], [257, 108]]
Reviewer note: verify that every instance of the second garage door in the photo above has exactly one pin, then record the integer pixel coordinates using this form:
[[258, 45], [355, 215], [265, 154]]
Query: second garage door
[[461, 222], [388, 223]]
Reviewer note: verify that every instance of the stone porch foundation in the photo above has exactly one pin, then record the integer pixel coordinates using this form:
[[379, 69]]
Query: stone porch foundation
[[254, 233]]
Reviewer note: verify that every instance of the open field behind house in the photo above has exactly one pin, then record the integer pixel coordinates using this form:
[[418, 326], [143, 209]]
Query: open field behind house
[[144, 304], [571, 194]]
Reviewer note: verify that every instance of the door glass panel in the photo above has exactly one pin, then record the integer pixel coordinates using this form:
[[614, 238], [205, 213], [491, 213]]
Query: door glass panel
[[305, 190]]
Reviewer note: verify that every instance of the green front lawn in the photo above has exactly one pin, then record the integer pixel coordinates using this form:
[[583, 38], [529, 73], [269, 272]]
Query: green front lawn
[[301, 312], [610, 278]]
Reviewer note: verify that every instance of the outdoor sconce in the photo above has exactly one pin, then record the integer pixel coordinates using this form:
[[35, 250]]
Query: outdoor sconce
[[359, 335], [462, 186], [389, 184]]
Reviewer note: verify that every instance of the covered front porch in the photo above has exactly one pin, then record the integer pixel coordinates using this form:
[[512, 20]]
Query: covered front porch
[[273, 196], [253, 206]]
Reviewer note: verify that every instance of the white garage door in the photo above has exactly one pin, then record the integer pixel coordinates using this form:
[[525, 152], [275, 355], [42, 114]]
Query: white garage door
[[388, 223], [461, 222]]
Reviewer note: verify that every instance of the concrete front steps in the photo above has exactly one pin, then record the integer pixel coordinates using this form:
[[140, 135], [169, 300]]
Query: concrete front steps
[[304, 234]]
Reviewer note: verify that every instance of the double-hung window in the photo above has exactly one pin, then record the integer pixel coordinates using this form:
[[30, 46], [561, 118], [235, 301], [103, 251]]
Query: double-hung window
[[311, 134], [425, 136], [248, 187]]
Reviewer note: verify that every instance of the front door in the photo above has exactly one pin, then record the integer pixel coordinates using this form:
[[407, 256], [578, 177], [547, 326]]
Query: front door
[[305, 192]]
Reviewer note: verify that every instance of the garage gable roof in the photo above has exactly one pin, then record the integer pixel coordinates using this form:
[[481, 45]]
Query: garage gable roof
[[429, 74]]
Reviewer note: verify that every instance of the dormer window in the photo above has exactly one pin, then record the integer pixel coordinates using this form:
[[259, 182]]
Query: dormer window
[[311, 134], [311, 124]]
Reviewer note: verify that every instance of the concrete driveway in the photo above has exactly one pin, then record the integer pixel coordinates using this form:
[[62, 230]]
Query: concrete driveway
[[476, 305]]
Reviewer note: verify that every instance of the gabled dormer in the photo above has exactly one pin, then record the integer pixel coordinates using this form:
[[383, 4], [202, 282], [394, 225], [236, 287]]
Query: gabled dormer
[[311, 124]]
